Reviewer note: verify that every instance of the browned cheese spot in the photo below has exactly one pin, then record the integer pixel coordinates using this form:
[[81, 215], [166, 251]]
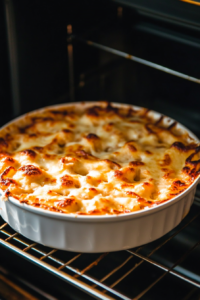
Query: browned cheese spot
[[127, 185], [85, 155], [193, 158], [193, 173], [96, 111], [148, 128], [136, 163], [92, 136], [177, 187], [92, 112], [172, 125], [118, 174], [10, 171], [30, 170], [3, 144], [29, 153], [23, 201], [131, 148], [59, 112], [113, 165], [148, 152], [146, 184], [179, 183], [132, 194], [93, 190], [66, 202], [181, 147], [127, 175], [159, 120], [186, 170], [66, 131], [8, 160], [39, 149], [95, 141], [68, 160], [168, 173], [33, 135], [166, 161], [108, 127], [7, 182], [7, 193], [69, 182]]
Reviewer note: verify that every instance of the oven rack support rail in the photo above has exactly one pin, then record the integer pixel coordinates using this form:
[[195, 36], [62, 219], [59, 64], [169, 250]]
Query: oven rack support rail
[[72, 37], [134, 58], [82, 279]]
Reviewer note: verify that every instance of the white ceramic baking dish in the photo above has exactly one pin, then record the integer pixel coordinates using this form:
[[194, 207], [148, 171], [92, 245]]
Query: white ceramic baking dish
[[82, 233]]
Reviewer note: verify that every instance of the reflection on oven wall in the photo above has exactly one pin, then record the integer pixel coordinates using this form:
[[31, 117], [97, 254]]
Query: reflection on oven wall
[[39, 61]]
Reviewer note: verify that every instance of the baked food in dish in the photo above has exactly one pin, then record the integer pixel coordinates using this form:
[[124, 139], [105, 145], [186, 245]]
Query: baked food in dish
[[92, 159]]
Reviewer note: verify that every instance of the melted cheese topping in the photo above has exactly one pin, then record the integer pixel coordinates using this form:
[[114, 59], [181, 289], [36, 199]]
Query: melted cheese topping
[[96, 159]]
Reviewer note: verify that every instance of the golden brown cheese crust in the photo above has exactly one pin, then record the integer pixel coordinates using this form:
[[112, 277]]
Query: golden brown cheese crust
[[96, 159]]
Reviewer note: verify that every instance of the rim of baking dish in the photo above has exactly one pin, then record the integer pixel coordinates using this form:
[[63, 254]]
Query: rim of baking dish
[[101, 218]]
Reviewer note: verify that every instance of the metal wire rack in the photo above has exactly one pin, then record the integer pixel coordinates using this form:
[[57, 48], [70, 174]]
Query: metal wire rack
[[145, 272], [136, 59]]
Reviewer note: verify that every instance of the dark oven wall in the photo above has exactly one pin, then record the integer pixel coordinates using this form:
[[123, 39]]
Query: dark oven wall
[[5, 95], [46, 71], [37, 38]]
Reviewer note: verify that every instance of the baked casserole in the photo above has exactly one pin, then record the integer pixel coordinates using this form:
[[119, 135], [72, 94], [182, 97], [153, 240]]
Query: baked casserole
[[96, 159]]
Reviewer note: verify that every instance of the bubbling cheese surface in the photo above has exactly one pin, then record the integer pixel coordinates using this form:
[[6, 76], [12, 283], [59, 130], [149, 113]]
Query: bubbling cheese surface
[[96, 158]]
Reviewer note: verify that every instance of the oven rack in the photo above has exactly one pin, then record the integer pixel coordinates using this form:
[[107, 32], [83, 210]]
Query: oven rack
[[116, 19], [133, 58], [89, 41], [122, 268]]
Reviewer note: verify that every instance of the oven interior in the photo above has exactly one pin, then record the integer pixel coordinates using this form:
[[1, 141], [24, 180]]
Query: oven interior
[[121, 51]]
